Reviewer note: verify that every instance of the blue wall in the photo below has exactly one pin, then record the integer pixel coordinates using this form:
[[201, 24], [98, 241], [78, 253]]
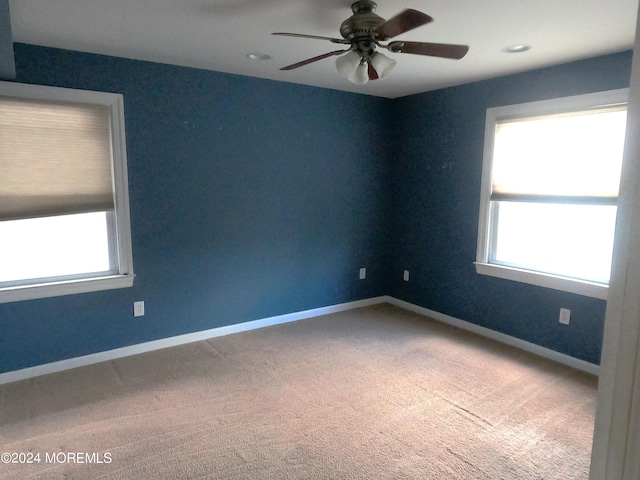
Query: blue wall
[[436, 173], [249, 198], [7, 65]]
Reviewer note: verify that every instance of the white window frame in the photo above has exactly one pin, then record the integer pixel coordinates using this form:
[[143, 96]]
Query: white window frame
[[524, 110], [122, 223]]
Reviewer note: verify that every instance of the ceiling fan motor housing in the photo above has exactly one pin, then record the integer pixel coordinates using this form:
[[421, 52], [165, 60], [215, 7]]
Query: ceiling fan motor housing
[[359, 27], [363, 21]]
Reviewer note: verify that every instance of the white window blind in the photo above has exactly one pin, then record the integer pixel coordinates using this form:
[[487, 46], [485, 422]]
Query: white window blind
[[55, 158], [577, 155]]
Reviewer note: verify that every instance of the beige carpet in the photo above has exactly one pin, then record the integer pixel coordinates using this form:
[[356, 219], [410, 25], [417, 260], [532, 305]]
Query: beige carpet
[[374, 393]]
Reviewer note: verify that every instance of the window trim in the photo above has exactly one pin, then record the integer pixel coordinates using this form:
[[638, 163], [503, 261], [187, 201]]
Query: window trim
[[525, 110], [122, 223]]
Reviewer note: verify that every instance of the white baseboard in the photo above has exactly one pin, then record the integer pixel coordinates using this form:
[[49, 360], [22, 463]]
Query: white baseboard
[[500, 337], [70, 363], [84, 360]]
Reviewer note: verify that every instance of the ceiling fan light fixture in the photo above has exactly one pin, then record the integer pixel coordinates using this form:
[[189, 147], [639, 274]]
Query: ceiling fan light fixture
[[382, 64], [348, 63], [361, 74]]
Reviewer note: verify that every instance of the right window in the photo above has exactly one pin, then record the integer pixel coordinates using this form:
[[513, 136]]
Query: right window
[[550, 182]]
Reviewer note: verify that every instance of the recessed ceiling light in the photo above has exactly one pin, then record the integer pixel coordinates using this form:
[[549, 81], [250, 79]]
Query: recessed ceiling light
[[258, 56], [516, 48]]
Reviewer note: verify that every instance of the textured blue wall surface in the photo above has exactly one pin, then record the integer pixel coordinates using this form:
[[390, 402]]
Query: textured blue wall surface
[[249, 198], [7, 64], [436, 176]]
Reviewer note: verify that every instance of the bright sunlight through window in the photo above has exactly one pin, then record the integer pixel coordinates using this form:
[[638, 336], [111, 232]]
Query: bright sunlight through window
[[60, 246], [556, 238]]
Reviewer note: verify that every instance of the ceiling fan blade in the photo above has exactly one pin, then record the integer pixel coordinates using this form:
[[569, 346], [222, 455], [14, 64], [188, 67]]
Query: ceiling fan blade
[[403, 22], [314, 59], [373, 75], [316, 37], [442, 50]]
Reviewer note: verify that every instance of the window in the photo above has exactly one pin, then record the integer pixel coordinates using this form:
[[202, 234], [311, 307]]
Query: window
[[550, 183], [64, 208]]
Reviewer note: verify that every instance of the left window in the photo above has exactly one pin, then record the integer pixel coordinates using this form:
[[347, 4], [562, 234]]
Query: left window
[[64, 207]]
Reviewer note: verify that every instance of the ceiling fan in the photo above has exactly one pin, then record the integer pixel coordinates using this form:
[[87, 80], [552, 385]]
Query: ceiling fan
[[364, 31]]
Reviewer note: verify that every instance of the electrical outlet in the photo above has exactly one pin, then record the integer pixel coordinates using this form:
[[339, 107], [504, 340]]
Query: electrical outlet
[[405, 276], [363, 273], [138, 309], [565, 316]]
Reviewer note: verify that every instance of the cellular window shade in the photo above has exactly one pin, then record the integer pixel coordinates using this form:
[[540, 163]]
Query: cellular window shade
[[569, 155], [54, 159]]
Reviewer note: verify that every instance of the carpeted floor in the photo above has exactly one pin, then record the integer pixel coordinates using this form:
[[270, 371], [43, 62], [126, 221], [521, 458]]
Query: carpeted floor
[[373, 393]]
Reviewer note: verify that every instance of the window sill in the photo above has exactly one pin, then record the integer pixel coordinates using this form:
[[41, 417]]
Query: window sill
[[70, 287], [580, 287]]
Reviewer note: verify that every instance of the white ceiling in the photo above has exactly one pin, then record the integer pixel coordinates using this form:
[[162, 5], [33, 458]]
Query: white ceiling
[[218, 34]]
